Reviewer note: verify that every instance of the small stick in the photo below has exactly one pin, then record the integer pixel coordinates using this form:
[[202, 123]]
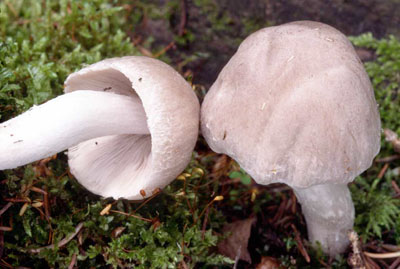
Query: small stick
[[73, 261], [370, 263], [38, 190], [383, 170], [389, 255], [4, 209], [46, 205], [155, 193], [203, 228], [131, 215], [182, 23], [300, 245], [395, 264], [17, 200], [12, 9], [4, 263], [60, 244], [217, 198], [280, 211], [1, 244], [395, 187], [165, 49], [388, 159], [391, 247]]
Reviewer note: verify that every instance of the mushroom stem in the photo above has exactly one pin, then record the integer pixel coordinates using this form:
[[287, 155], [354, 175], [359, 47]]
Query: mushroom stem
[[66, 121], [329, 213]]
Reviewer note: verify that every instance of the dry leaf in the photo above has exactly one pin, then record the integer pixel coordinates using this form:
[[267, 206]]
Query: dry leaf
[[268, 263], [235, 245], [392, 137]]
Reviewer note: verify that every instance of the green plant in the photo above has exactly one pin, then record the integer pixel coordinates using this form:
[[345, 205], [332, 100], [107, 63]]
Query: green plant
[[384, 72], [376, 209], [41, 43]]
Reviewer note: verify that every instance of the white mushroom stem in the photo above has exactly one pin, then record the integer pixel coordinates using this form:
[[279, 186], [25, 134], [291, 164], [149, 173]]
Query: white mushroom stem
[[66, 121], [329, 213]]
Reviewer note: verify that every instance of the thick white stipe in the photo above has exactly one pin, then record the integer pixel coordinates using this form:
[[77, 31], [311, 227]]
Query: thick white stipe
[[66, 121]]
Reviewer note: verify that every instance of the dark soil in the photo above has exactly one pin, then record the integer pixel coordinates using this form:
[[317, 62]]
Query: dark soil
[[352, 17]]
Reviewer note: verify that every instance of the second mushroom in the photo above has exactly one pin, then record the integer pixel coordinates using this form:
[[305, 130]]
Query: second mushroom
[[130, 125], [301, 112]]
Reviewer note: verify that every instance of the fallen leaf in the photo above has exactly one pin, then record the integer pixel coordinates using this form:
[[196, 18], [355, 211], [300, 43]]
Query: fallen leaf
[[269, 263], [235, 245], [393, 138]]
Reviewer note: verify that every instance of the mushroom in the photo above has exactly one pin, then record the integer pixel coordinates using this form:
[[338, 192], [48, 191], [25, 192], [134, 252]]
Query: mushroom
[[295, 105], [130, 125]]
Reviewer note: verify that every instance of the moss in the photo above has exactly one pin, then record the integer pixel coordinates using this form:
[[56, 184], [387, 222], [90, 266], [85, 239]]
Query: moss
[[44, 41]]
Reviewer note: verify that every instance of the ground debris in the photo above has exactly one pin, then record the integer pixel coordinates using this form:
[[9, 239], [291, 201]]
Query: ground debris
[[235, 245], [392, 137], [356, 259], [269, 263]]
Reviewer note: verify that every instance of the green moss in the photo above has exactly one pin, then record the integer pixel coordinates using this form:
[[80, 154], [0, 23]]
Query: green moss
[[41, 42]]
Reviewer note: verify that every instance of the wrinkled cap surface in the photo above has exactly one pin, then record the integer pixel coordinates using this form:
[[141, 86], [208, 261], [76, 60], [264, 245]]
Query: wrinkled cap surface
[[294, 105], [135, 165]]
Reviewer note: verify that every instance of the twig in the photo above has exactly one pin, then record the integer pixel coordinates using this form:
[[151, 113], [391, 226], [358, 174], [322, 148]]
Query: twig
[[131, 215], [184, 265], [60, 244], [46, 205], [392, 248], [155, 193], [12, 9], [300, 245], [182, 23], [389, 255], [38, 190], [73, 261], [4, 209], [1, 244], [217, 198], [383, 170], [5, 264], [165, 49], [395, 264], [395, 187], [203, 228], [388, 159], [237, 258], [370, 263], [280, 211]]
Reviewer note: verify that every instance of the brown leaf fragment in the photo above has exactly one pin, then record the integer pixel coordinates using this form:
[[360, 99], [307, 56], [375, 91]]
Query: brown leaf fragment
[[365, 55], [221, 166], [269, 263], [355, 259], [236, 243], [117, 231], [392, 137]]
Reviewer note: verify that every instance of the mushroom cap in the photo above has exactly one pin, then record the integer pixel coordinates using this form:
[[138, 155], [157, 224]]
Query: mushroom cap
[[294, 105], [133, 166]]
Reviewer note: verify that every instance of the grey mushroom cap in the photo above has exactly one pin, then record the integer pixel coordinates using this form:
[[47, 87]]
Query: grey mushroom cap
[[135, 165], [294, 105]]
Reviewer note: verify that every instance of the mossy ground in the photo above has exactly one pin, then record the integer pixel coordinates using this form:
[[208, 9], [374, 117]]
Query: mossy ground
[[41, 42]]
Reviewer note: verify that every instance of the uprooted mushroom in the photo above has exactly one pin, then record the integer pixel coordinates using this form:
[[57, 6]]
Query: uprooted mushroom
[[130, 125], [301, 112]]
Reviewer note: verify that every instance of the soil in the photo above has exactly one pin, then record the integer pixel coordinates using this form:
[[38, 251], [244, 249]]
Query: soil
[[352, 17]]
